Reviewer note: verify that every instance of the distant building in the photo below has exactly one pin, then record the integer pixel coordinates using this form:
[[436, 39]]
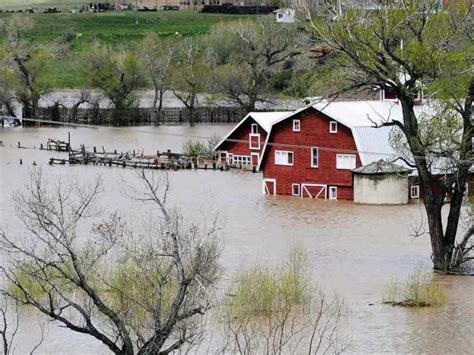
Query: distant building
[[285, 15]]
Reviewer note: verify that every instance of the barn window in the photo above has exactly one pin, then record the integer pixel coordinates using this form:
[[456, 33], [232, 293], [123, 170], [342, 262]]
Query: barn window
[[296, 125], [314, 157], [295, 189], [254, 128], [283, 157], [254, 141], [333, 127], [332, 192], [345, 161], [241, 160], [415, 191]]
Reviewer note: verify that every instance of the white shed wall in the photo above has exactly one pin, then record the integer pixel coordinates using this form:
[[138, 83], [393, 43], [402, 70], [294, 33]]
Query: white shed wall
[[381, 190]]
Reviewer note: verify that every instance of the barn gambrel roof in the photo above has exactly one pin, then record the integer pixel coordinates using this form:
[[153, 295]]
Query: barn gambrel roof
[[361, 117]]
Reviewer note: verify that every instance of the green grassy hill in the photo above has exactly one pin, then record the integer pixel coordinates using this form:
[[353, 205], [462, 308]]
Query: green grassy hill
[[79, 30], [24, 4]]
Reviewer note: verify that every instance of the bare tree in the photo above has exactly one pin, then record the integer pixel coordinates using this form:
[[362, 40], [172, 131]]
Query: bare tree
[[251, 54], [85, 97], [7, 335], [190, 77], [407, 47], [117, 74], [157, 55], [9, 326], [26, 63], [140, 294]]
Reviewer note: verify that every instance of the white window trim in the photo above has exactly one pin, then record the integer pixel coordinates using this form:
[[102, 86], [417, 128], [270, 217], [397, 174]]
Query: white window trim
[[332, 188], [258, 158], [341, 155], [252, 131], [241, 160], [331, 130], [293, 191], [284, 151], [417, 194], [294, 126], [312, 157], [250, 140]]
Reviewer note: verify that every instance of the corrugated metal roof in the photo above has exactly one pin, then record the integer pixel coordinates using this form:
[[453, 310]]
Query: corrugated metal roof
[[381, 167], [373, 144], [364, 113]]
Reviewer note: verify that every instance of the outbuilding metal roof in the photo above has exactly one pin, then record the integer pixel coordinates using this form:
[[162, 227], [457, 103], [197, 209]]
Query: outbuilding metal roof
[[381, 167]]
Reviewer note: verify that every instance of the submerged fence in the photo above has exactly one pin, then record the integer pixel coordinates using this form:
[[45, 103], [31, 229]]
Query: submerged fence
[[140, 116]]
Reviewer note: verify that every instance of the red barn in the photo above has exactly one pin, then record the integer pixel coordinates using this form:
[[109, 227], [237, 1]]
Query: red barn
[[312, 152], [243, 144]]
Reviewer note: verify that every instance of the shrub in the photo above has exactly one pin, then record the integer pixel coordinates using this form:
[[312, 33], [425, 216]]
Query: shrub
[[279, 310], [194, 147], [419, 290]]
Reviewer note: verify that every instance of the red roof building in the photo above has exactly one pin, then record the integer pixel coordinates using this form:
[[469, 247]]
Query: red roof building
[[312, 152]]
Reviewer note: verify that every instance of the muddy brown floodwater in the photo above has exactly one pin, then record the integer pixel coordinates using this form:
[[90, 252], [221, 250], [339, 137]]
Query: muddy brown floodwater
[[354, 250]]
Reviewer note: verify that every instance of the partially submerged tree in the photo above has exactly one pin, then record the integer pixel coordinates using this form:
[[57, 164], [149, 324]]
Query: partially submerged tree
[[157, 55], [117, 74], [405, 47], [25, 64], [190, 75], [250, 54], [142, 294]]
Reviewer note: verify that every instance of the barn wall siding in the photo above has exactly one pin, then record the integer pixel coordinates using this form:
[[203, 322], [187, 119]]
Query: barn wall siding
[[314, 132]]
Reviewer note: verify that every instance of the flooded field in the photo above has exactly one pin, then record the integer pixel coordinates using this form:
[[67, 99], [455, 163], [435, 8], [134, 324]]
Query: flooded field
[[354, 250]]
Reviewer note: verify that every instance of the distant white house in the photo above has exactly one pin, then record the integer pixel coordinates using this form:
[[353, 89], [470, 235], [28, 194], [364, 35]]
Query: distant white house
[[285, 15]]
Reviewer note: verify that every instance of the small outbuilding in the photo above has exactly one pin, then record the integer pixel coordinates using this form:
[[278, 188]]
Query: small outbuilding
[[285, 15], [381, 182]]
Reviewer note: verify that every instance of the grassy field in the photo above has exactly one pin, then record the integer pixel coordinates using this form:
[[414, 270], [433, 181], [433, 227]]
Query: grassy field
[[24, 4], [116, 28]]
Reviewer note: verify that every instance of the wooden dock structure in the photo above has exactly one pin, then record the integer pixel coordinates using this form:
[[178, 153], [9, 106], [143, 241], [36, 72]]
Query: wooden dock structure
[[161, 160]]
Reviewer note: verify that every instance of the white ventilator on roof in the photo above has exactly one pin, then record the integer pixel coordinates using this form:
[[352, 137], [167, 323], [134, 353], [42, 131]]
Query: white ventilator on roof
[[264, 119]]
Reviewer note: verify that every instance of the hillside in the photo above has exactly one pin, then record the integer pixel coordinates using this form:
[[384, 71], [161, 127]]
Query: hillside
[[116, 28]]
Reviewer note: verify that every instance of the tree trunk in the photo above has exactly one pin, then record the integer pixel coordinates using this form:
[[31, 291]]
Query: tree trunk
[[34, 108], [433, 189], [192, 116]]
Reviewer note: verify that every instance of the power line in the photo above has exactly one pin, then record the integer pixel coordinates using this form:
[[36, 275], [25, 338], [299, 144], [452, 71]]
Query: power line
[[240, 141]]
